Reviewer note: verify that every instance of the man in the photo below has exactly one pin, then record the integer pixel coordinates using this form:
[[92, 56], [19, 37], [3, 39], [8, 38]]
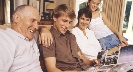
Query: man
[[64, 54], [18, 48]]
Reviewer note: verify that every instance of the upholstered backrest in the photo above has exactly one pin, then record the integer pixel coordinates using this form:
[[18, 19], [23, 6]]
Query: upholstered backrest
[[8, 25], [5, 26]]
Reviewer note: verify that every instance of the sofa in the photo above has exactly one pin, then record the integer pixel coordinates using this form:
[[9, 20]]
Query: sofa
[[4, 26]]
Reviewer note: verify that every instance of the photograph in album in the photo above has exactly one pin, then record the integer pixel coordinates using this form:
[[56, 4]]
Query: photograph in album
[[126, 54], [109, 57]]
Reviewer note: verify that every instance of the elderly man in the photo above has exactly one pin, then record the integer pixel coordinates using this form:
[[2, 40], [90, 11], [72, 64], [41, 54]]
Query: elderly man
[[18, 48]]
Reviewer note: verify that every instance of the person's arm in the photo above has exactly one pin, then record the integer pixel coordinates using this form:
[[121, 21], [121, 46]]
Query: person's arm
[[113, 29], [7, 53], [85, 60], [45, 36], [50, 63]]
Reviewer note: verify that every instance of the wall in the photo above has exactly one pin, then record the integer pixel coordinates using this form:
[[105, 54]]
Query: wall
[[19, 2], [58, 2]]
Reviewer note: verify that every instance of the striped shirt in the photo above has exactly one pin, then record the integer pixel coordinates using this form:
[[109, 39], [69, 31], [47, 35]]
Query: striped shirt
[[99, 28]]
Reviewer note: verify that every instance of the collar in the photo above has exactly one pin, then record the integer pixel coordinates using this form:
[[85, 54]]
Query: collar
[[57, 33]]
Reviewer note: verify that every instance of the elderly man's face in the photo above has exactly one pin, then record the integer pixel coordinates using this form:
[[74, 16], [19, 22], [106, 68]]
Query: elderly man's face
[[28, 24]]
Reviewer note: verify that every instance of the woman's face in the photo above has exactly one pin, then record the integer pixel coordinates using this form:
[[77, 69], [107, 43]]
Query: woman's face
[[83, 22], [93, 4]]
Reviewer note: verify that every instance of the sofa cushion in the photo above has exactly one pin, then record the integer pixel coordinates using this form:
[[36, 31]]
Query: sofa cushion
[[5, 26]]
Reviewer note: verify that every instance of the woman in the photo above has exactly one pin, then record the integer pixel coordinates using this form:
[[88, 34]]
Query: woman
[[85, 38], [104, 31]]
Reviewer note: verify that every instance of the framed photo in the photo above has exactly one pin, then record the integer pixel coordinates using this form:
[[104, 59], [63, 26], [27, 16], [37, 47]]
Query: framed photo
[[48, 0], [35, 3], [46, 3]]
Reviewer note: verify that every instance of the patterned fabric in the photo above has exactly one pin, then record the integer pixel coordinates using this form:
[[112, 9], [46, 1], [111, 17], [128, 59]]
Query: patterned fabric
[[99, 28], [109, 42]]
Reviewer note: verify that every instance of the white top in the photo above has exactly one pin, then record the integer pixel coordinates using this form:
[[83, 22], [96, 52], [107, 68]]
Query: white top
[[17, 53], [89, 45], [99, 28]]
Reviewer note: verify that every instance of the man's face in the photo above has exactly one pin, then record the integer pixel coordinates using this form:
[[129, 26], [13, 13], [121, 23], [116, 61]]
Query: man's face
[[28, 24], [62, 23]]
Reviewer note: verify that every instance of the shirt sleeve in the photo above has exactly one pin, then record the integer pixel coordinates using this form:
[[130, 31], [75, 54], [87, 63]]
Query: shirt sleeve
[[48, 51], [6, 53]]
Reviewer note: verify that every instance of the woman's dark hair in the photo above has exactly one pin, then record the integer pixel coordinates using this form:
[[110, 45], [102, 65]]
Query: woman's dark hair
[[86, 12]]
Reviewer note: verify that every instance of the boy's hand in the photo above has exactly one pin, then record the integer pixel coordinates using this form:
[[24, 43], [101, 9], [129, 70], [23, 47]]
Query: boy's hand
[[96, 62]]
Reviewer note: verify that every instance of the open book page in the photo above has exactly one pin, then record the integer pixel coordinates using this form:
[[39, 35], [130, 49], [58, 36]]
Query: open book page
[[108, 59], [126, 54], [116, 59]]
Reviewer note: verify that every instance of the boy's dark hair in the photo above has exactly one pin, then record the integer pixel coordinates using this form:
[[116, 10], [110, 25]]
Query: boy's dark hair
[[65, 10], [86, 12]]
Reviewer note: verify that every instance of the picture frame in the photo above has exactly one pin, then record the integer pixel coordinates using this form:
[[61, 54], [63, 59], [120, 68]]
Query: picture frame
[[35, 3], [48, 0], [46, 3]]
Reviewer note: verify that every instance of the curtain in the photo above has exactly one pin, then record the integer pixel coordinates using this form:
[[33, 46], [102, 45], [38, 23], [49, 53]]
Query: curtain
[[114, 9]]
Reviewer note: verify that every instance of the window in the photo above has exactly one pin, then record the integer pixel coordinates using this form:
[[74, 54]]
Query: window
[[127, 14], [128, 22]]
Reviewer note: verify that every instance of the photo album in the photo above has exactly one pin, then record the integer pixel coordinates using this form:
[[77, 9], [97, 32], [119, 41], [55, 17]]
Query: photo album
[[114, 58]]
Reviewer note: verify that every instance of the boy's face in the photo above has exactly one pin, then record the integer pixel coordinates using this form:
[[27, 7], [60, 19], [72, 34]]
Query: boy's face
[[62, 23], [83, 22]]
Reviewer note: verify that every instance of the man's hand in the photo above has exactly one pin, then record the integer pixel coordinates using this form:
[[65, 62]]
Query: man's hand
[[45, 37]]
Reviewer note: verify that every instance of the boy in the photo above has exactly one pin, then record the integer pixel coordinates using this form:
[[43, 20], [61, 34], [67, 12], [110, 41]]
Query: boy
[[64, 54]]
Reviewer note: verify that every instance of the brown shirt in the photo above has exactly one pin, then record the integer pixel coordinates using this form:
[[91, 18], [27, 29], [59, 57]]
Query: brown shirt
[[65, 49]]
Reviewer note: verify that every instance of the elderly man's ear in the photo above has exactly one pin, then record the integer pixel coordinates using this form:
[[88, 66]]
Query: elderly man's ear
[[16, 18]]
